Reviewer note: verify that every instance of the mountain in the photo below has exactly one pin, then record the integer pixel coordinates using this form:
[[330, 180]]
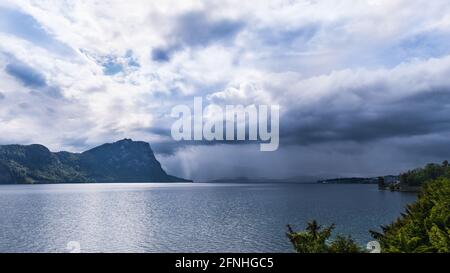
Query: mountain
[[123, 161]]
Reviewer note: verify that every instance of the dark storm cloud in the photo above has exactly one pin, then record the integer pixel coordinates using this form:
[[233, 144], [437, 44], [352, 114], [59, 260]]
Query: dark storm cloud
[[432, 148], [196, 29], [160, 131], [171, 147], [374, 117], [168, 147], [424, 113]]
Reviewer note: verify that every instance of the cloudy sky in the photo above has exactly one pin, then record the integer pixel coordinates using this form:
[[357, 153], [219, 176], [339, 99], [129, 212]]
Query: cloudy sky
[[363, 86]]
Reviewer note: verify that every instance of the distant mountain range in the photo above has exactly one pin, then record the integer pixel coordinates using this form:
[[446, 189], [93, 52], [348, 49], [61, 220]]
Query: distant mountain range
[[309, 179], [123, 161], [360, 180], [296, 179]]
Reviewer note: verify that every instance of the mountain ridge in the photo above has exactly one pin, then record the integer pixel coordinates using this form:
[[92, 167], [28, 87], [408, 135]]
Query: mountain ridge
[[124, 161]]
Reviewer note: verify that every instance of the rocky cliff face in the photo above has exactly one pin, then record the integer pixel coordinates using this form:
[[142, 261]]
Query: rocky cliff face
[[122, 161]]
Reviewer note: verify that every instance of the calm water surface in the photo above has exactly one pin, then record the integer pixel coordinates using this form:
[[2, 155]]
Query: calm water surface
[[185, 217]]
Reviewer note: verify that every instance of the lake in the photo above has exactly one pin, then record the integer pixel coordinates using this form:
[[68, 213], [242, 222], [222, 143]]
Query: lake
[[185, 217]]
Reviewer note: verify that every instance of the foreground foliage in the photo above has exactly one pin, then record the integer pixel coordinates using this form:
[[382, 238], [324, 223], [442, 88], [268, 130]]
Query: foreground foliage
[[425, 226], [420, 176], [315, 240]]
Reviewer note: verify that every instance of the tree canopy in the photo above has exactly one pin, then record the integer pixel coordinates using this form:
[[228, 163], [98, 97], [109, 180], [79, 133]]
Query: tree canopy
[[431, 171], [425, 226], [316, 239]]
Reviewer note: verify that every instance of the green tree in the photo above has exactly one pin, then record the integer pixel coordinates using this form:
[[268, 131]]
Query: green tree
[[315, 239], [418, 177], [425, 226], [344, 244]]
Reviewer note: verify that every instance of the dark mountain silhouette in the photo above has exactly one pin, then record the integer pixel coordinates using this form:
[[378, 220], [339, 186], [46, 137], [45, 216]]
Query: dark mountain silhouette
[[123, 161]]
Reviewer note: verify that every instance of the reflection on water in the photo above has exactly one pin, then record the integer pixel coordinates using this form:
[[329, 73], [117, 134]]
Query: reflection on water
[[184, 217]]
